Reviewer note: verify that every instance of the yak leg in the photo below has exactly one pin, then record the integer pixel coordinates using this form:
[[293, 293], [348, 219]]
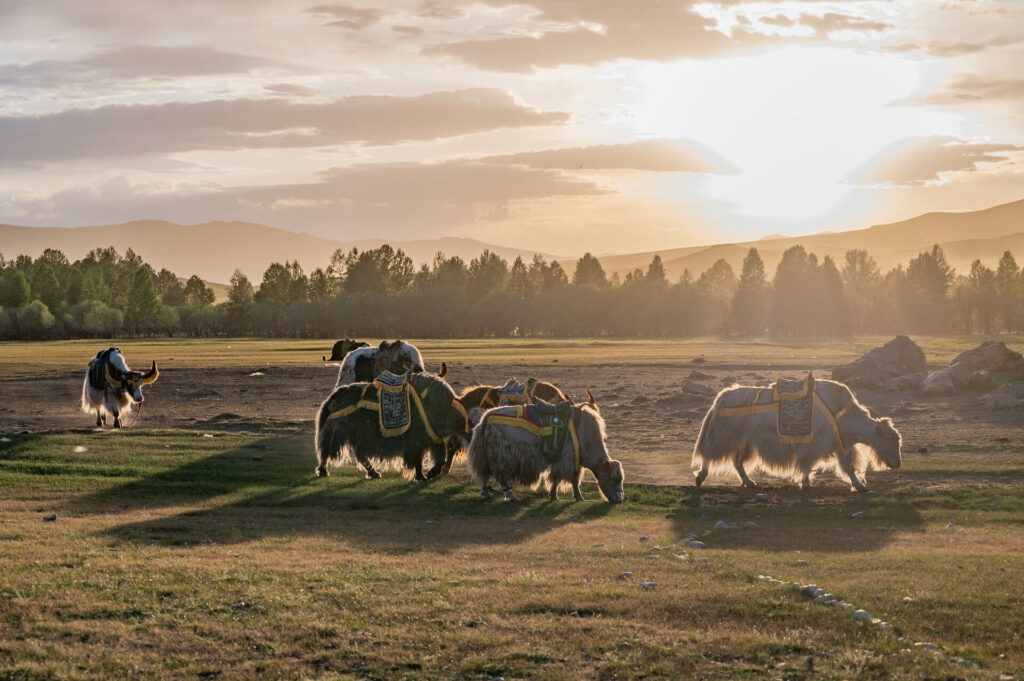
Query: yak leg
[[746, 481], [553, 492], [438, 453], [805, 484], [577, 495], [507, 490], [117, 420], [846, 465], [99, 419], [371, 474], [702, 475]]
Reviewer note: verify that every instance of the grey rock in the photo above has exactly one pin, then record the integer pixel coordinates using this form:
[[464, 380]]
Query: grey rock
[[899, 357], [698, 389], [696, 545], [626, 575], [859, 515], [649, 585], [862, 616]]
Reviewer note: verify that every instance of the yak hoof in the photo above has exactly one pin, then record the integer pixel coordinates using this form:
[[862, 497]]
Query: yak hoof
[[701, 477], [749, 484], [321, 472], [509, 496], [485, 493], [372, 475], [577, 497]]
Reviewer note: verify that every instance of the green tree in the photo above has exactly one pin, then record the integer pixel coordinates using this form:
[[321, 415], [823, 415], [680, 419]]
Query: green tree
[[923, 297], [322, 286], [589, 273], [656, 276], [240, 303], [73, 285], [14, 288], [519, 282], [197, 293], [749, 305], [380, 270], [169, 288], [793, 292], [143, 304], [488, 273], [1009, 292], [45, 286]]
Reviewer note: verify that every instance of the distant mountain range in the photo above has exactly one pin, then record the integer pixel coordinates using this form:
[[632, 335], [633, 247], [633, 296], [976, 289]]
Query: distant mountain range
[[983, 234], [214, 250]]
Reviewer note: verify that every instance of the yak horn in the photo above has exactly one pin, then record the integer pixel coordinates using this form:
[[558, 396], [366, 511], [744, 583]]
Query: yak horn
[[151, 375], [443, 371], [112, 376], [590, 398]]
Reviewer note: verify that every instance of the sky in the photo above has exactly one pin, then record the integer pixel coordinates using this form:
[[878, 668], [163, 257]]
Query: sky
[[558, 125]]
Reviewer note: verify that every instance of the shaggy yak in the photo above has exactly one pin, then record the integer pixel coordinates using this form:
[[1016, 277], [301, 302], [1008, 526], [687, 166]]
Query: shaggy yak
[[484, 397], [366, 364], [507, 445], [343, 347], [742, 429], [346, 427], [110, 388]]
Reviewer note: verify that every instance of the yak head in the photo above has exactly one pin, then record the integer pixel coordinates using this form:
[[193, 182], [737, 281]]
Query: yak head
[[610, 480], [887, 443], [130, 382], [402, 357]]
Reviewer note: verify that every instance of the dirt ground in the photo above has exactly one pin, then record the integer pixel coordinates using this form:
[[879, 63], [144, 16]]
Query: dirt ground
[[652, 423]]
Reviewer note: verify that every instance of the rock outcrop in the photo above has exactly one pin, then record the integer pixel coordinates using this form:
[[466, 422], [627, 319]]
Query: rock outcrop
[[900, 358]]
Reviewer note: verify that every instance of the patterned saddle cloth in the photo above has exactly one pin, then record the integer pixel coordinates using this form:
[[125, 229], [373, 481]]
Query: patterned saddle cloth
[[513, 392], [552, 424], [98, 369], [796, 409], [394, 414]]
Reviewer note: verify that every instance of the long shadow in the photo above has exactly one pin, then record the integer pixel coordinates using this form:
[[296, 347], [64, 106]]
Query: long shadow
[[270, 491], [783, 518]]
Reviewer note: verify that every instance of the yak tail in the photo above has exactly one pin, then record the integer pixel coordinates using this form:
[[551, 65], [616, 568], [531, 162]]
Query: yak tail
[[328, 444], [476, 457], [702, 438]]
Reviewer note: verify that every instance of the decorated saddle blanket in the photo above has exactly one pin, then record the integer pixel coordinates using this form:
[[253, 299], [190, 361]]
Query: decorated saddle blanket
[[394, 414], [550, 430], [513, 392], [796, 409], [98, 369]]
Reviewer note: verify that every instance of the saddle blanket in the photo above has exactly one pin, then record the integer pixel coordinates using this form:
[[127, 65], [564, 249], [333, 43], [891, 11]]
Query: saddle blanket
[[796, 410], [395, 415], [526, 418]]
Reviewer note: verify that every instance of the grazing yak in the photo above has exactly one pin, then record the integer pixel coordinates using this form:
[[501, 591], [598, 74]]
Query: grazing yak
[[743, 428], [110, 388], [366, 364], [543, 443], [419, 412], [343, 347]]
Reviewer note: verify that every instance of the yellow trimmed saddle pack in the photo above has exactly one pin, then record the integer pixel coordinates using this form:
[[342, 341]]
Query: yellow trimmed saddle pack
[[551, 424], [794, 402], [391, 396]]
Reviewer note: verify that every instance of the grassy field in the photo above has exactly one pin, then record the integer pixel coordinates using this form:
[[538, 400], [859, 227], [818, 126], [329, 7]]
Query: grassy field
[[206, 554]]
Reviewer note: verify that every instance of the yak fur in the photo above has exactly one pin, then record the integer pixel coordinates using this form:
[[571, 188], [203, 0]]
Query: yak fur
[[118, 390], [365, 364], [358, 434], [735, 441], [510, 454]]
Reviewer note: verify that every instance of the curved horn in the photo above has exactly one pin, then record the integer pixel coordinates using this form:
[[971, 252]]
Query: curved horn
[[443, 371], [112, 376], [151, 375], [590, 398]]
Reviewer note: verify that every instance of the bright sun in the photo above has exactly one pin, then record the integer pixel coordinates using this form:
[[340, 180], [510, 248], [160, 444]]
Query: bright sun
[[794, 121]]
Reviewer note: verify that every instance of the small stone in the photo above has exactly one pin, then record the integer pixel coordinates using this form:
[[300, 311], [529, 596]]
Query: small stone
[[5, 439], [818, 592], [802, 562], [626, 575], [949, 526], [862, 616], [859, 515], [761, 497], [881, 528], [749, 524], [824, 599], [455, 582], [648, 585], [430, 521], [50, 518], [670, 516], [574, 613], [207, 435], [907, 599], [625, 646], [721, 525], [703, 560], [520, 530], [79, 449], [696, 545], [598, 546], [925, 645], [808, 590], [651, 557], [644, 538], [884, 625]]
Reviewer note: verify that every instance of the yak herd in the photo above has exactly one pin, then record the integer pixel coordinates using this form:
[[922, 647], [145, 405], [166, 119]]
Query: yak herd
[[387, 411]]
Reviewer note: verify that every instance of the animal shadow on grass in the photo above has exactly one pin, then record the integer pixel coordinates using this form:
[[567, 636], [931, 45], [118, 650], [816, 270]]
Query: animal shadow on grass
[[825, 519], [270, 491]]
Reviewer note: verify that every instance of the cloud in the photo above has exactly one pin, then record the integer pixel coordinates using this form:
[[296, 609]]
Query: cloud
[[590, 32], [130, 62], [946, 50], [404, 200], [290, 89], [973, 89], [919, 160], [830, 22], [128, 130], [659, 155], [344, 16]]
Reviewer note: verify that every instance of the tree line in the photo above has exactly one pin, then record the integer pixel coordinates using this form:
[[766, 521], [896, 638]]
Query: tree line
[[380, 293]]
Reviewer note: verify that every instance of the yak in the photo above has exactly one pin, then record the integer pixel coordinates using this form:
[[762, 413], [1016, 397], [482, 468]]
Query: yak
[[343, 347], [110, 388], [741, 430], [348, 425], [366, 364], [507, 445]]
